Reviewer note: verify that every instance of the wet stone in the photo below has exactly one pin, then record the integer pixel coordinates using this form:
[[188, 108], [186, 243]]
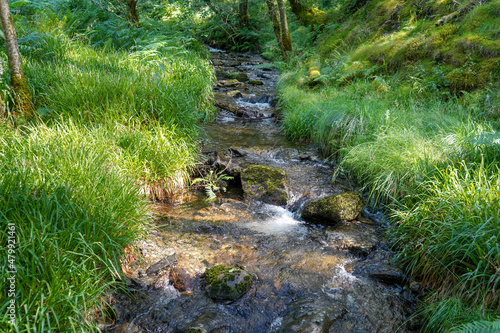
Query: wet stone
[[224, 282], [236, 152], [170, 260], [358, 238], [181, 279], [197, 329], [234, 93], [266, 184], [312, 316], [230, 83], [127, 327], [334, 209], [256, 82], [242, 77], [382, 271], [389, 275]]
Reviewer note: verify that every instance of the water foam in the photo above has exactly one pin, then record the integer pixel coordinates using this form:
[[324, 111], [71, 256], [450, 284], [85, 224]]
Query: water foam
[[341, 280], [275, 220]]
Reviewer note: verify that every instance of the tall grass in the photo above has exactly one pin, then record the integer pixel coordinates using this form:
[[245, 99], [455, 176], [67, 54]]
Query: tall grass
[[436, 167], [118, 110], [99, 85], [451, 238], [73, 212], [149, 97]]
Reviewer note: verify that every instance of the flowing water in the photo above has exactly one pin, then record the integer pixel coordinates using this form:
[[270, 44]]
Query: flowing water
[[306, 277]]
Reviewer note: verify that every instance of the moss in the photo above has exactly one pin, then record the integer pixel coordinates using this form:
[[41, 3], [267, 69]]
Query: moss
[[464, 79], [23, 97], [241, 77], [227, 282], [265, 183], [245, 285], [475, 45], [334, 209]]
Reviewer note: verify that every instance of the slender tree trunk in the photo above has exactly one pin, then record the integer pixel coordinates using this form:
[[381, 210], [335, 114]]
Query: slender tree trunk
[[243, 13], [285, 33], [132, 11], [2, 103], [273, 14], [23, 97]]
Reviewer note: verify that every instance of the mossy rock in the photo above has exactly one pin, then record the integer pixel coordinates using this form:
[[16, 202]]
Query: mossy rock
[[256, 82], [266, 184], [334, 209], [234, 94], [224, 282], [242, 77]]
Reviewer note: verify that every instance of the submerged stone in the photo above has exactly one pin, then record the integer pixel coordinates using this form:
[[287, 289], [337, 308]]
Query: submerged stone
[[335, 208], [167, 261], [266, 184], [360, 239], [256, 82], [181, 279], [224, 282]]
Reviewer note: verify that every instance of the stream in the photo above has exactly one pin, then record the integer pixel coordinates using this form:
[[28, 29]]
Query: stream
[[306, 277]]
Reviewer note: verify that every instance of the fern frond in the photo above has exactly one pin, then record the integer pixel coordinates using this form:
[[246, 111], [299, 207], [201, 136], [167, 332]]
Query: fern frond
[[210, 193], [482, 326]]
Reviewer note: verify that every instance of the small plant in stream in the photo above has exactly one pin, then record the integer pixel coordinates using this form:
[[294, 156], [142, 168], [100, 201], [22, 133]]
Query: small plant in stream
[[212, 182]]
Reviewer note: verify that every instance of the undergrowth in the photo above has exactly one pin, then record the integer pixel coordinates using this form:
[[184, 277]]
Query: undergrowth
[[73, 212], [406, 98], [118, 108]]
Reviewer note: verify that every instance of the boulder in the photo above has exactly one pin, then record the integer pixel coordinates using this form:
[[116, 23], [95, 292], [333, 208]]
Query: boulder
[[242, 77], [265, 183], [334, 209], [224, 282]]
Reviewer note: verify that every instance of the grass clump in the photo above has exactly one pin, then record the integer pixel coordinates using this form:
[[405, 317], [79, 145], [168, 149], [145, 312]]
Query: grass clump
[[118, 110], [73, 213], [407, 101], [450, 232]]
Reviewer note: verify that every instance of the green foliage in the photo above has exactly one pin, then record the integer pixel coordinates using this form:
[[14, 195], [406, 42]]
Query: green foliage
[[403, 99], [98, 86], [73, 213], [117, 114], [213, 182], [452, 231], [479, 327]]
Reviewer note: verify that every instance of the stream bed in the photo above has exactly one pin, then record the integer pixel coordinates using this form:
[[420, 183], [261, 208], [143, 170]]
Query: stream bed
[[306, 277]]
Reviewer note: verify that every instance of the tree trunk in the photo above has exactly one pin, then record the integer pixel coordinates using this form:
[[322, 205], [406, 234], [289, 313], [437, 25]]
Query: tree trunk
[[285, 33], [243, 13], [23, 97], [132, 11], [273, 14], [2, 103], [307, 16]]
